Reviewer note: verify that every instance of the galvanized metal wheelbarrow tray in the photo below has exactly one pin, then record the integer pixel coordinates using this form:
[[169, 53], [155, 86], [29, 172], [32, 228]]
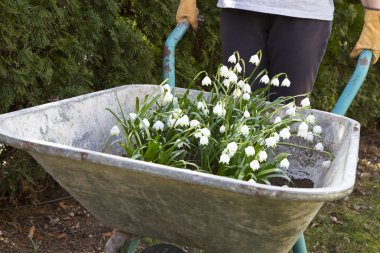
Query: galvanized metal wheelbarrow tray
[[181, 206]]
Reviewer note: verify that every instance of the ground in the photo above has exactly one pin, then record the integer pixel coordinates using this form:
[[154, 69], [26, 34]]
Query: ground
[[57, 223]]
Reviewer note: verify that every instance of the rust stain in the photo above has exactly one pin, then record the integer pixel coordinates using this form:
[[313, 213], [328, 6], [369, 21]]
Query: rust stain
[[167, 69], [83, 156], [166, 51], [364, 61]]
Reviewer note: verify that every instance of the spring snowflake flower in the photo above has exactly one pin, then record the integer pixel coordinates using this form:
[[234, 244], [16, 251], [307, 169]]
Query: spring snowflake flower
[[145, 123], [168, 97], [285, 133], [247, 88], [270, 142], [238, 68], [115, 131], [183, 121], [179, 143], [247, 114], [275, 82], [255, 165], [232, 77], [326, 164], [203, 141], [195, 123], [246, 96], [224, 71], [226, 83], [241, 84], [263, 156], [205, 111], [251, 181], [171, 122], [276, 137], [310, 119], [277, 120], [319, 146], [201, 106], [317, 129], [237, 93], [206, 81], [291, 111], [219, 110], [222, 129], [205, 132], [302, 130], [232, 59], [285, 82], [165, 88], [244, 130], [249, 151], [158, 125], [310, 136], [254, 59], [284, 163], [264, 79], [305, 102], [132, 116], [232, 148], [177, 113], [224, 158]]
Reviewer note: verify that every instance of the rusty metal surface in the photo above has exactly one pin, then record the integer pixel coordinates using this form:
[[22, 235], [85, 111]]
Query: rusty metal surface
[[215, 213]]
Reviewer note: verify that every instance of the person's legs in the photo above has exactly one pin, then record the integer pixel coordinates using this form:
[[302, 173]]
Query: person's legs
[[245, 32], [296, 47]]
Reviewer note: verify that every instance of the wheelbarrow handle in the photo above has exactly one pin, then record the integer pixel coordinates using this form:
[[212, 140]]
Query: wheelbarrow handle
[[354, 83], [169, 51]]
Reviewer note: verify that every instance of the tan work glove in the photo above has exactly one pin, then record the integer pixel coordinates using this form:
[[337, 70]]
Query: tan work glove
[[187, 9], [370, 36]]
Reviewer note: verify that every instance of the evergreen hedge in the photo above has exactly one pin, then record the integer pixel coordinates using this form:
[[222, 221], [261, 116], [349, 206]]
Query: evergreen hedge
[[57, 49]]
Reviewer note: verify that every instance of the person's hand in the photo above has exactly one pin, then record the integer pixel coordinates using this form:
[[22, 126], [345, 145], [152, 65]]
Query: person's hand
[[187, 9], [370, 36]]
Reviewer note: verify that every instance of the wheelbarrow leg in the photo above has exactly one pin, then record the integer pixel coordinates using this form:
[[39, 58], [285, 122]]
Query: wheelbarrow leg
[[300, 246]]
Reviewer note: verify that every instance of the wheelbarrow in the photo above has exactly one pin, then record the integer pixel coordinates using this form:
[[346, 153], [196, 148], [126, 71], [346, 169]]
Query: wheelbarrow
[[180, 206]]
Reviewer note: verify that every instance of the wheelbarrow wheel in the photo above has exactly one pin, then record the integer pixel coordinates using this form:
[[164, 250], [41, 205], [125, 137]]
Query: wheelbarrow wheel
[[163, 248]]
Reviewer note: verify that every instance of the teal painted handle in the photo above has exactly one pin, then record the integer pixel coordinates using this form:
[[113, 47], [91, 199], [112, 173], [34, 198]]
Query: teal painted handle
[[354, 83], [169, 51]]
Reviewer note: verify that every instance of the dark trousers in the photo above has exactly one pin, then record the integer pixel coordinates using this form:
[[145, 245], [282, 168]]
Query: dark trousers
[[294, 46]]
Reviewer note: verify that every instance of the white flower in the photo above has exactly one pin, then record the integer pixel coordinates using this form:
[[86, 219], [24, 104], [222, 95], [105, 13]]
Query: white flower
[[206, 81], [270, 142], [275, 82], [277, 120], [194, 123], [238, 68], [249, 151], [252, 181], [224, 158], [115, 131], [203, 141], [222, 129], [264, 79], [305, 102], [254, 59], [237, 93], [132, 116], [165, 88], [317, 129], [183, 121], [179, 143], [310, 119], [232, 59], [319, 146], [168, 97], [224, 71], [285, 133], [241, 84], [326, 164], [285, 82], [226, 83], [247, 88], [232, 77], [310, 136], [284, 163], [302, 130], [205, 111], [198, 134], [201, 106], [205, 132], [246, 96], [145, 123], [255, 165], [170, 122], [291, 111], [158, 125], [263, 156], [244, 130], [247, 114], [232, 148], [276, 137], [177, 113], [219, 110]]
